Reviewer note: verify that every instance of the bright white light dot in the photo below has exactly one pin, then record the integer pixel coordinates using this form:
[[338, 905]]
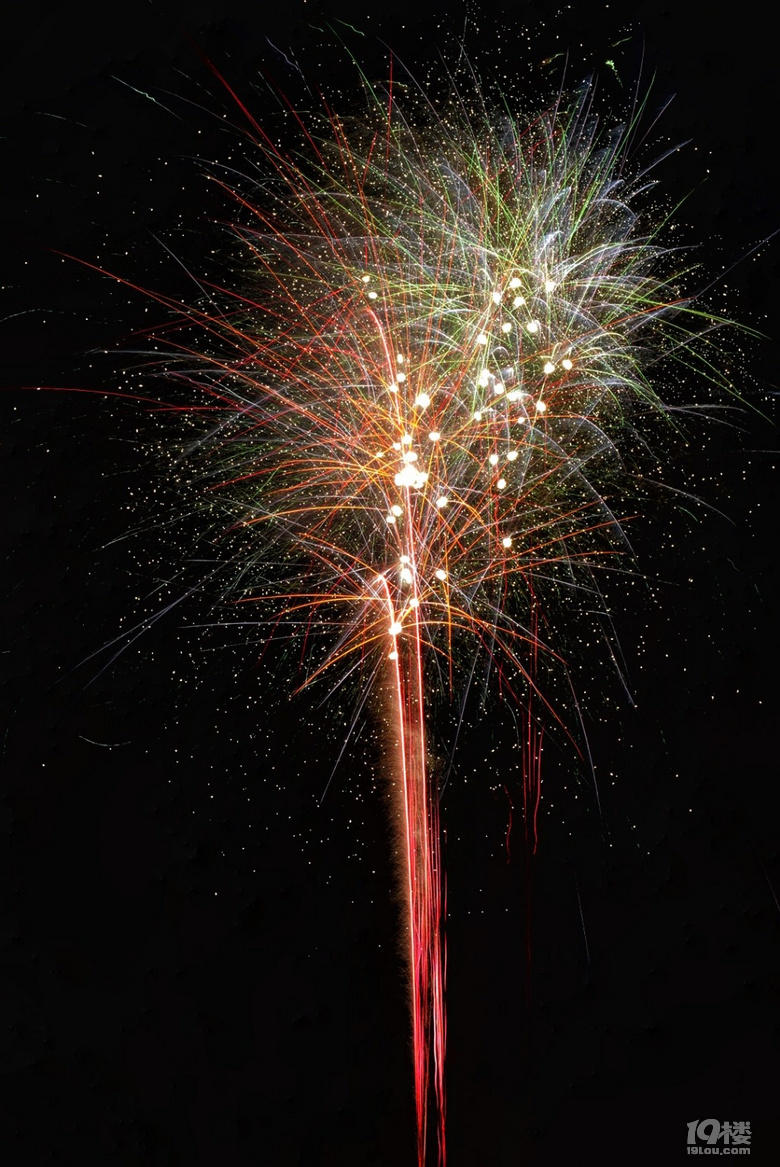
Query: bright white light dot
[[372, 295], [393, 388], [549, 285], [498, 388], [390, 520], [406, 439], [400, 358], [515, 282], [533, 326], [549, 367], [410, 456], [441, 574], [518, 301], [482, 339], [496, 297], [406, 575], [540, 407], [395, 628], [396, 445], [501, 483], [422, 401], [414, 602], [406, 477], [477, 416], [567, 364], [515, 395], [506, 327], [484, 379], [493, 459], [396, 510], [442, 501], [401, 378], [404, 559], [434, 436], [392, 655], [506, 541], [512, 456], [366, 279]]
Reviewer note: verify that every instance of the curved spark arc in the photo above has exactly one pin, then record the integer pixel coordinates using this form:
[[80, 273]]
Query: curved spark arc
[[424, 404]]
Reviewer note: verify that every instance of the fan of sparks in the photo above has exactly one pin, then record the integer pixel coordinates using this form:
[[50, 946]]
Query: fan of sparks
[[431, 389]]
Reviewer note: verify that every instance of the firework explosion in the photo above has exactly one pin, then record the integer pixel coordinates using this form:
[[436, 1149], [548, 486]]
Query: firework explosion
[[427, 407]]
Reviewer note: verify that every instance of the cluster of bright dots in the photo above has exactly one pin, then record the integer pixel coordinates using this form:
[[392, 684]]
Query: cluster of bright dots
[[491, 388]]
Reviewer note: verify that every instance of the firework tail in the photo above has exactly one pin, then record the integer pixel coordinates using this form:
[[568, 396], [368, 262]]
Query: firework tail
[[423, 889]]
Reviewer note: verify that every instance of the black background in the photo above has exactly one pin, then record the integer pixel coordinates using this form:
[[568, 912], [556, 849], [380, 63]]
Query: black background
[[198, 961]]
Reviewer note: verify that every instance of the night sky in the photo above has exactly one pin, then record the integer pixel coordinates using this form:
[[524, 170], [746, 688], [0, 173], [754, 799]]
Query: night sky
[[199, 954]]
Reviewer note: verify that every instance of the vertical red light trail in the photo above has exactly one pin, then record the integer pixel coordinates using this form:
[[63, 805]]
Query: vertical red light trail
[[424, 888]]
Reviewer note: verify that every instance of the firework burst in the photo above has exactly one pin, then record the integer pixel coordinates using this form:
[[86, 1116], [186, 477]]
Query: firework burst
[[422, 415]]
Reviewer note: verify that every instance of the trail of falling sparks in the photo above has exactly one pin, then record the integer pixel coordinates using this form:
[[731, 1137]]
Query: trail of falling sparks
[[424, 891], [411, 415]]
